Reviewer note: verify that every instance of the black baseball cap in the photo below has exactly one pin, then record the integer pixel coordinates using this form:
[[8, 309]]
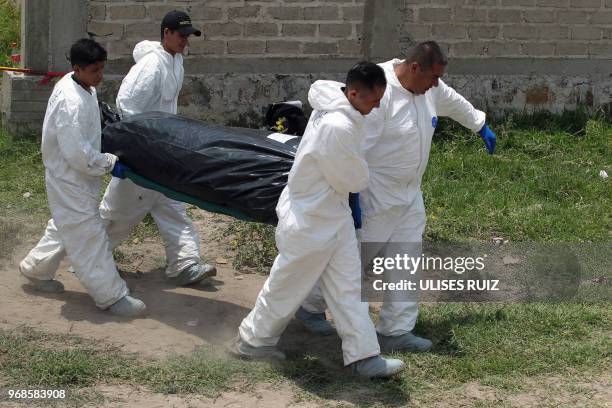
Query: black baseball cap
[[179, 21]]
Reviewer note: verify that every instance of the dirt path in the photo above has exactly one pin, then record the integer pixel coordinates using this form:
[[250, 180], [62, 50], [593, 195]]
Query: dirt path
[[178, 319], [181, 319]]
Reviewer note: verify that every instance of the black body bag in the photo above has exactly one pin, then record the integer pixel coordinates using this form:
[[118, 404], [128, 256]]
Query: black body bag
[[239, 171]]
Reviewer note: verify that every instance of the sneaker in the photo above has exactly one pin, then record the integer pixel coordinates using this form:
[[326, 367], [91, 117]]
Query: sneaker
[[46, 286], [403, 342], [242, 349], [193, 274], [377, 367], [315, 323], [128, 306]]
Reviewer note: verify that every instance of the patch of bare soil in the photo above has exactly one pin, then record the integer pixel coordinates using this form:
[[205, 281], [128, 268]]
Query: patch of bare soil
[[178, 319], [592, 390], [264, 395]]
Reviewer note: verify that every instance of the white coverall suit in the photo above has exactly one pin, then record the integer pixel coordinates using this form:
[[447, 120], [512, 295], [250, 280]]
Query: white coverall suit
[[398, 142], [71, 140], [153, 84], [315, 235]]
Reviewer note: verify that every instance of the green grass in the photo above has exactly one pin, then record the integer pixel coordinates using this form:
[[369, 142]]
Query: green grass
[[9, 30], [542, 184], [22, 173], [253, 244], [501, 346]]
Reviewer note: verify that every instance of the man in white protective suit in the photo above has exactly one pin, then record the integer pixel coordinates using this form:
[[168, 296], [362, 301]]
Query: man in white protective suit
[[153, 84], [74, 166], [315, 235], [398, 142]]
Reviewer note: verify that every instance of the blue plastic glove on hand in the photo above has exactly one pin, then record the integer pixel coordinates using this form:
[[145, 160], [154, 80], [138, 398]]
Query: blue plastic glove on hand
[[119, 170], [489, 138], [355, 209]]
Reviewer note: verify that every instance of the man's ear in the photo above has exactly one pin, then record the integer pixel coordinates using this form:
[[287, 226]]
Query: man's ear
[[414, 67]]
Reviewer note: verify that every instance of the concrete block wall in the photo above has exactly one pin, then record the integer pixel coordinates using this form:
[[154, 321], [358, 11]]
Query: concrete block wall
[[23, 103], [240, 29], [512, 28], [505, 55]]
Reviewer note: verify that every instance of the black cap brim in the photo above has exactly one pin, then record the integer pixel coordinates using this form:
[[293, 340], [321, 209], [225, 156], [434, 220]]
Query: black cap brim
[[189, 30]]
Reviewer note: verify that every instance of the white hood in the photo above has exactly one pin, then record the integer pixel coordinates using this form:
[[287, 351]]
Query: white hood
[[328, 96], [146, 47], [154, 83]]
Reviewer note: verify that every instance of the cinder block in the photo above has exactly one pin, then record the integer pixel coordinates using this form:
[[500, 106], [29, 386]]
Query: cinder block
[[207, 47], [349, 48], [206, 13], [321, 13], [586, 33], [222, 29], [28, 107], [469, 49], [97, 12], [553, 3], [489, 3], [573, 17], [335, 30], [539, 16], [286, 13], [157, 12], [121, 47], [243, 12], [283, 47], [261, 29], [504, 16], [601, 17], [449, 31], [515, 3], [434, 14], [143, 30], [483, 32], [470, 15], [594, 4], [503, 49], [567, 49], [520, 32], [299, 30], [352, 13], [538, 49], [601, 50], [320, 48], [416, 32], [553, 32], [246, 47], [133, 12]]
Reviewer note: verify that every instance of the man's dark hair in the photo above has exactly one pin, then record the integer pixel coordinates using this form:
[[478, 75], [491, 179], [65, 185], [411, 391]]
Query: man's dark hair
[[366, 74], [426, 54], [85, 52]]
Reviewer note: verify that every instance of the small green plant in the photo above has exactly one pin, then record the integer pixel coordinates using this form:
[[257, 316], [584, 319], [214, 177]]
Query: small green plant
[[253, 244]]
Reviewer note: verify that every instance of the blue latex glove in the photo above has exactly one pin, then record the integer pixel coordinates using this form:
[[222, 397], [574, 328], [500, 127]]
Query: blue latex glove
[[119, 170], [355, 209], [489, 138]]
